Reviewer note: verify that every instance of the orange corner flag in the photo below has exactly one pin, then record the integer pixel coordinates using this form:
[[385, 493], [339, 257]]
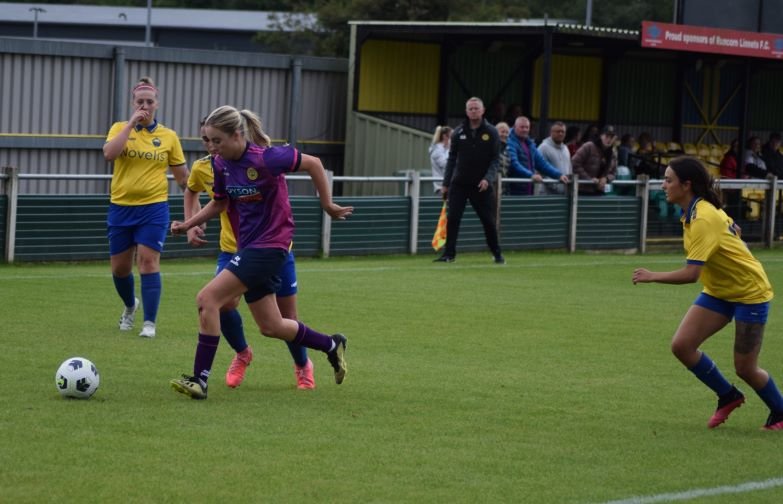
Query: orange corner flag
[[439, 240]]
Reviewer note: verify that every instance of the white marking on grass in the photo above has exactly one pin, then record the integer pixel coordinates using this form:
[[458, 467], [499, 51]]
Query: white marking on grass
[[751, 486], [630, 261]]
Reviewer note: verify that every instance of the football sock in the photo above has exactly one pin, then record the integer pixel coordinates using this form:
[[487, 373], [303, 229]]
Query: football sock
[[770, 394], [205, 355], [298, 352], [706, 371], [150, 295], [231, 326], [125, 289], [312, 339]]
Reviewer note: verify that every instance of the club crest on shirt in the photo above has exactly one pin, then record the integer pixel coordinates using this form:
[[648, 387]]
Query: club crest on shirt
[[485, 137], [252, 174], [156, 142]]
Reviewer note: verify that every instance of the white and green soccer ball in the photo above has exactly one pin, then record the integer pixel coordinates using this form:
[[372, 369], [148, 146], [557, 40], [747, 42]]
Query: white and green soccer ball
[[77, 377]]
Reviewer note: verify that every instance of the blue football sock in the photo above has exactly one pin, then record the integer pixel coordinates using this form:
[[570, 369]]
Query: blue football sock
[[231, 326], [710, 375], [150, 295], [298, 352], [770, 394], [125, 289]]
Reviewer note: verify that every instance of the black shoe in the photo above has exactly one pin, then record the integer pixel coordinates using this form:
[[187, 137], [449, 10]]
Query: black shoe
[[444, 258], [499, 259], [337, 358]]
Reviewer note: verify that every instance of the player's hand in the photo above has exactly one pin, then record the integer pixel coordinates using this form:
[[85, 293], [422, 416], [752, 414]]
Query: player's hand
[[641, 275], [196, 237], [178, 228], [139, 116], [338, 212], [483, 185]]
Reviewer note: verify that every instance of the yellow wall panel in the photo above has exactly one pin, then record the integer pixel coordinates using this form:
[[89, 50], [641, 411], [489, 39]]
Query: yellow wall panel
[[400, 77], [575, 91]]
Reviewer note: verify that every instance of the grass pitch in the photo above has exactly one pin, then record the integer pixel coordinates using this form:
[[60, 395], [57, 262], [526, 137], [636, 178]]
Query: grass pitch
[[545, 380]]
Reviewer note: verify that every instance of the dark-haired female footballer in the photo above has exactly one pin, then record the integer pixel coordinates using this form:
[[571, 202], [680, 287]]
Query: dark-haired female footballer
[[735, 286], [250, 184], [142, 150]]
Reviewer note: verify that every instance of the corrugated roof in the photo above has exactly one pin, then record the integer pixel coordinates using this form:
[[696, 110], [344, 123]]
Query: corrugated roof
[[239, 20]]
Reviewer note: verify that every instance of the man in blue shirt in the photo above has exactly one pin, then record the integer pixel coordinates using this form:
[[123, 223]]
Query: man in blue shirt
[[525, 160]]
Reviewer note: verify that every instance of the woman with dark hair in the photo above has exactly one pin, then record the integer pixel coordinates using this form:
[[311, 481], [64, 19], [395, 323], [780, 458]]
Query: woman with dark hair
[[735, 287]]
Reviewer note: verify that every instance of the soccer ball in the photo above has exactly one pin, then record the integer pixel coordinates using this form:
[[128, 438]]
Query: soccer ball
[[77, 377]]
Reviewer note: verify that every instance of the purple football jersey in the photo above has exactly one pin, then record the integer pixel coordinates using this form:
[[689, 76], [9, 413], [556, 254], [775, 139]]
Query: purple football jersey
[[258, 205]]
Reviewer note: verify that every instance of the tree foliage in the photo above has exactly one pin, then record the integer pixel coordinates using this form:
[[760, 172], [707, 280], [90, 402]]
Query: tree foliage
[[328, 35]]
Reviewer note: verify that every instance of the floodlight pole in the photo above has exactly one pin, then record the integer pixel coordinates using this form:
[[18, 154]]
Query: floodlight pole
[[589, 13], [147, 37], [35, 11]]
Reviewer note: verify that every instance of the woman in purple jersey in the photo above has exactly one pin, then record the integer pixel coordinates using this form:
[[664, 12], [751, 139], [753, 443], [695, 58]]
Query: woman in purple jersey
[[250, 184]]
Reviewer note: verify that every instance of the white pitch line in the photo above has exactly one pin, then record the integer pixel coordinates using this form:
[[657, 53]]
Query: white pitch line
[[751, 486], [626, 260]]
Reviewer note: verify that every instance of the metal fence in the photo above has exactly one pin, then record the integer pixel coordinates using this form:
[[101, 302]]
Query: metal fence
[[36, 227]]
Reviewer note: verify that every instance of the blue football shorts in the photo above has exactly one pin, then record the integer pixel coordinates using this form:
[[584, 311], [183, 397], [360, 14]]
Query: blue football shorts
[[288, 283], [755, 313]]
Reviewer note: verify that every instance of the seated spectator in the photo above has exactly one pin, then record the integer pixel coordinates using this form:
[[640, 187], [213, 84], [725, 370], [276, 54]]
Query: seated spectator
[[755, 167], [573, 139], [596, 161], [625, 154], [771, 155], [728, 165], [646, 161], [439, 155], [591, 133], [512, 112], [554, 150], [503, 161], [525, 159], [732, 198], [496, 112]]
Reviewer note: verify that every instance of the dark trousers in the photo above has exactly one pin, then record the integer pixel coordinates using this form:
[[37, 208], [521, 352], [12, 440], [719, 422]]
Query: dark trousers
[[484, 205]]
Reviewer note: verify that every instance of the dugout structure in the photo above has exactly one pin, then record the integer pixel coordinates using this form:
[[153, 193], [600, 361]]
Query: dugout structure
[[406, 78]]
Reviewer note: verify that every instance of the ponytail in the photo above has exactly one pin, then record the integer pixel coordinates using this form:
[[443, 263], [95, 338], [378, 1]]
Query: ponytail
[[254, 129]]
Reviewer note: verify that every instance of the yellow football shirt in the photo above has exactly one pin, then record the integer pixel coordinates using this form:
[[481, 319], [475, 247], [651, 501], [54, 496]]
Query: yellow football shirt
[[139, 176], [201, 180], [729, 270]]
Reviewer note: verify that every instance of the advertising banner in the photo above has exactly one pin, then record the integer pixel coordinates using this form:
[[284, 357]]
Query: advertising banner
[[711, 40]]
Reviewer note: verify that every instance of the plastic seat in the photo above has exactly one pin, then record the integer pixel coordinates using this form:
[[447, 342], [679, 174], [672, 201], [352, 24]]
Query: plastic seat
[[716, 151], [675, 147], [703, 151], [661, 146], [690, 149]]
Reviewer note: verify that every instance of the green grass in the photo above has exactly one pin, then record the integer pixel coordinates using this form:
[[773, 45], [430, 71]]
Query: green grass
[[546, 380]]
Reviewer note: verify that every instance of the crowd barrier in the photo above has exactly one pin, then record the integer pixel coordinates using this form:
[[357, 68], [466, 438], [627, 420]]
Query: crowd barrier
[[632, 216]]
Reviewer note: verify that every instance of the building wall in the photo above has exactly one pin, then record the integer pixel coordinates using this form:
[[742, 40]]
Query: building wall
[[58, 101]]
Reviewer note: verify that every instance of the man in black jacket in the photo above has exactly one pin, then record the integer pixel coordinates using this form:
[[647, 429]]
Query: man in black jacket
[[470, 175]]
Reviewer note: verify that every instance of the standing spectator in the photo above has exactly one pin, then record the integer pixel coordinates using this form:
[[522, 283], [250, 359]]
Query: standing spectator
[[755, 167], [526, 160], [771, 155], [554, 150], [439, 155], [470, 175], [142, 150], [201, 180], [250, 184], [503, 161], [573, 139], [596, 161], [735, 287]]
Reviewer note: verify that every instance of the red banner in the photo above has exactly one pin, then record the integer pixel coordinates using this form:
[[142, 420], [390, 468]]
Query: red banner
[[711, 40]]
